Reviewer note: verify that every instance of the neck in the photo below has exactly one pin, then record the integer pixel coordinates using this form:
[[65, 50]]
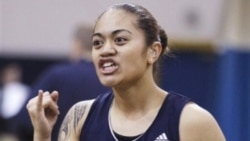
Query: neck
[[138, 96]]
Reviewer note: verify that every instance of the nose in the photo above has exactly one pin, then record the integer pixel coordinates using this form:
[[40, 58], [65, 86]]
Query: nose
[[108, 50]]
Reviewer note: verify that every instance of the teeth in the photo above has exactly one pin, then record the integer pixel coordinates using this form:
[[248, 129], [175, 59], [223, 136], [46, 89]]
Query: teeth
[[107, 64]]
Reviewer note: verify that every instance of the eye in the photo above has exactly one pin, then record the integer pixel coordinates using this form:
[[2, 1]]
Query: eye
[[120, 41], [97, 43]]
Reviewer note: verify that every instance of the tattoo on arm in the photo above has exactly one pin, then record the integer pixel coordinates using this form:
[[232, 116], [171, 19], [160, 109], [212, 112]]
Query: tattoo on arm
[[71, 118], [78, 114], [64, 132]]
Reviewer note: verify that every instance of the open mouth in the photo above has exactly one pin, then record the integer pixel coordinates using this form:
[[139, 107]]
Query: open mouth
[[108, 66]]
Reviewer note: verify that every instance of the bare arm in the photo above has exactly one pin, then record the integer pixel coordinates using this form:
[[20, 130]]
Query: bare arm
[[197, 124], [72, 124]]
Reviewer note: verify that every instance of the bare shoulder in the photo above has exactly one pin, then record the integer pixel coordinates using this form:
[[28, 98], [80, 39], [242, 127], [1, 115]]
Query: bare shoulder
[[81, 110], [74, 120], [197, 124]]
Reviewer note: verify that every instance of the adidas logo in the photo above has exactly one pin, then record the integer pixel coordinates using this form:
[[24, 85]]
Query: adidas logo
[[162, 137]]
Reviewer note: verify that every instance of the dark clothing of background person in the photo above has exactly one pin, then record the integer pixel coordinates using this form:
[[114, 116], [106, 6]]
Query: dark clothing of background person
[[74, 82]]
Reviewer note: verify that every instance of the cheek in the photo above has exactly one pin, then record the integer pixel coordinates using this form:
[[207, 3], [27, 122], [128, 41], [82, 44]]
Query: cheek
[[135, 62], [94, 54]]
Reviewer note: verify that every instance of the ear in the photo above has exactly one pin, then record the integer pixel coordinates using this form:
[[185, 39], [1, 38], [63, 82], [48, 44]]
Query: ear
[[154, 52]]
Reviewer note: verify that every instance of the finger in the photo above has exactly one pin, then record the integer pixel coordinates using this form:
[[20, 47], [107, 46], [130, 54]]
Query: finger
[[50, 105], [55, 96], [40, 100], [46, 93]]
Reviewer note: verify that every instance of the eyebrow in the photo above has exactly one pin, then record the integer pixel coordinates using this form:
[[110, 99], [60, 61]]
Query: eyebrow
[[113, 33]]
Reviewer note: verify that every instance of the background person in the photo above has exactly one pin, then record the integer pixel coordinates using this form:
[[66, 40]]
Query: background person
[[13, 96]]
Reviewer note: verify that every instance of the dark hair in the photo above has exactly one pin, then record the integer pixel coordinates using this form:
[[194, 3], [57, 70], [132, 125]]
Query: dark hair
[[148, 24]]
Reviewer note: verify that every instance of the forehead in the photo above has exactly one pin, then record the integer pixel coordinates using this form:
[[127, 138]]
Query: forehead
[[114, 19]]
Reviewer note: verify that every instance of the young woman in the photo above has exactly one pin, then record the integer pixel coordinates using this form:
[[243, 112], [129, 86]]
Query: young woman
[[127, 44]]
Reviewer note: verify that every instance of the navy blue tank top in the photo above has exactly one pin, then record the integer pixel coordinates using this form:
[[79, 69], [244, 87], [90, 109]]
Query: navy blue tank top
[[165, 127]]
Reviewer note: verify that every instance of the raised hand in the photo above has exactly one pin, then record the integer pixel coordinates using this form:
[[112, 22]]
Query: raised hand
[[43, 111]]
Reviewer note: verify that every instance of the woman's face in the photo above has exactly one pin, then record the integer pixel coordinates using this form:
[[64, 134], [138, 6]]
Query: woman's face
[[119, 51]]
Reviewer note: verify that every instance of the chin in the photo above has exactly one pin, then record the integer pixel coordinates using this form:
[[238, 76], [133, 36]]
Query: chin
[[108, 82]]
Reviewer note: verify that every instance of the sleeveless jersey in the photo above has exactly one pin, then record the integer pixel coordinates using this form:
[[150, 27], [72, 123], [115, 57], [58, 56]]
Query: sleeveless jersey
[[165, 127]]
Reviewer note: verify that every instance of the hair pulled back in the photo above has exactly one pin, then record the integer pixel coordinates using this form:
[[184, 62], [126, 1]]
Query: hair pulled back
[[149, 25]]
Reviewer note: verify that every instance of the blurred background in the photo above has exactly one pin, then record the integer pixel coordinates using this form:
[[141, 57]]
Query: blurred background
[[209, 39]]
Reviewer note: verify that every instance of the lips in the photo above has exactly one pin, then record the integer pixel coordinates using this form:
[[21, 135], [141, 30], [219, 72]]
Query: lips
[[107, 66]]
